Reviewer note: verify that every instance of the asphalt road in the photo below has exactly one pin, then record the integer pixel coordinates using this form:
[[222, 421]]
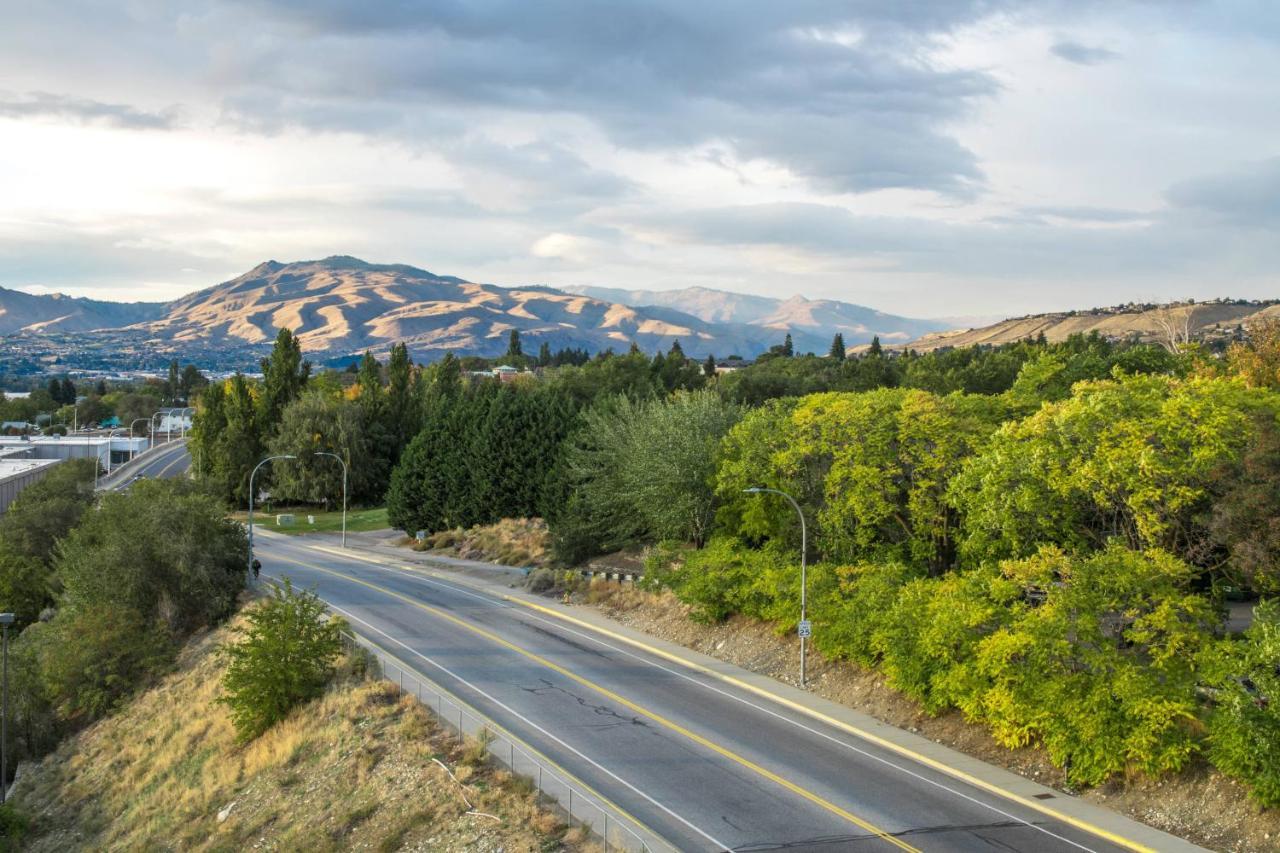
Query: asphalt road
[[166, 461], [701, 763]]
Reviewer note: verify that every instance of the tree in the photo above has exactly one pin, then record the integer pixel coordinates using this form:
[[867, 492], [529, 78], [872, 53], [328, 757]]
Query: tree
[[643, 470], [837, 347], [514, 349], [173, 384], [788, 349], [316, 423], [709, 367], [164, 550], [191, 381], [875, 350], [1257, 360], [544, 354], [284, 374], [403, 409], [284, 658], [46, 511]]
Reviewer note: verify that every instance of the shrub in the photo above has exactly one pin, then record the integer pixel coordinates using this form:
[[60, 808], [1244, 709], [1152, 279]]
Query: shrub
[[91, 658], [285, 657], [1244, 727]]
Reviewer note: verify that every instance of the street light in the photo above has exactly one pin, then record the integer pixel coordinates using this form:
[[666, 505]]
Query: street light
[[251, 476], [153, 428], [192, 410], [6, 619], [132, 451], [344, 491], [805, 627], [110, 435]]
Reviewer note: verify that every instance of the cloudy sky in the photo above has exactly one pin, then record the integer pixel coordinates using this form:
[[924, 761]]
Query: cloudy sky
[[932, 158]]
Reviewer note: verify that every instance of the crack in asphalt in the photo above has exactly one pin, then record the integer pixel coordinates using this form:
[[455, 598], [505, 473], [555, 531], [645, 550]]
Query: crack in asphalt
[[600, 710]]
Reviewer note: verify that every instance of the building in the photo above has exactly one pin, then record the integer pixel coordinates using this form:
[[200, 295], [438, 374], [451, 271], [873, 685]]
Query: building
[[109, 450], [17, 474], [171, 421]]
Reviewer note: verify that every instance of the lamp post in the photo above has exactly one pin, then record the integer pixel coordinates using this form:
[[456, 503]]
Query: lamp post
[[805, 627], [153, 428], [251, 476], [344, 491], [6, 619], [110, 435], [182, 433], [132, 451]]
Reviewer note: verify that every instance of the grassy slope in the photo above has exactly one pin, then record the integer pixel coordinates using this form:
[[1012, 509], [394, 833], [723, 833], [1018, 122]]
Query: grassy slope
[[358, 520], [353, 769]]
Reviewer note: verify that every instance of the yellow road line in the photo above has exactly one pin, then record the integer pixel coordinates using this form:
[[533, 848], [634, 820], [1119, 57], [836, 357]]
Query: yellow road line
[[906, 752], [505, 733], [627, 703]]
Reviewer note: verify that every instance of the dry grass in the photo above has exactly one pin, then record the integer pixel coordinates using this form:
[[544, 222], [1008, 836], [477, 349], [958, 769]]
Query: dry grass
[[352, 769], [511, 542]]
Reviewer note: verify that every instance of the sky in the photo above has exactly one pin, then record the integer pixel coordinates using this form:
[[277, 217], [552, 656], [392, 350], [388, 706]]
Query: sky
[[931, 158]]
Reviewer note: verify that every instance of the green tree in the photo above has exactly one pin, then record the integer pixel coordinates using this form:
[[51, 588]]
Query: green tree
[[164, 550], [315, 423], [1244, 726], [875, 350], [46, 511], [403, 404], [709, 367], [284, 658], [515, 351], [837, 347], [788, 348], [284, 374]]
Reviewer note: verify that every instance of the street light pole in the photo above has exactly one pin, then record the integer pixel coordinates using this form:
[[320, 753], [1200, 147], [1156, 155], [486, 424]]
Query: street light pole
[[804, 550], [251, 476], [344, 491], [152, 424], [192, 410], [132, 451], [6, 619]]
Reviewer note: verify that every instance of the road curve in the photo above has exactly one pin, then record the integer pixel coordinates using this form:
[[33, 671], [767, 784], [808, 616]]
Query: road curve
[[703, 764], [171, 460]]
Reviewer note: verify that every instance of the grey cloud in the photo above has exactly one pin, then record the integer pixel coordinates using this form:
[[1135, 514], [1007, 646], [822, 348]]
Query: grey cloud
[[1083, 54], [85, 111], [1247, 196], [1088, 214], [767, 80]]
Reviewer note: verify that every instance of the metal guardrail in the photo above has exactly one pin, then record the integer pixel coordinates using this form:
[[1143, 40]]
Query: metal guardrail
[[582, 807]]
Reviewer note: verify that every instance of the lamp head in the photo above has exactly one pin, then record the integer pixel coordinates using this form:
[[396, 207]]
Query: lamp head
[[6, 618]]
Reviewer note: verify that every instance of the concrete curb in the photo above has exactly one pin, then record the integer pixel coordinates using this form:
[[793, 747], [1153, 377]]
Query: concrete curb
[[1094, 819]]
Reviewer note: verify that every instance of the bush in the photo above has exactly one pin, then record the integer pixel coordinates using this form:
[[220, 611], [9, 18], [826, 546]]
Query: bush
[[285, 657], [1244, 728], [92, 658]]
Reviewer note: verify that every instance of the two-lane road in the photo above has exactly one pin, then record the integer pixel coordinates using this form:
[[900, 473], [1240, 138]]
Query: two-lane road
[[704, 764]]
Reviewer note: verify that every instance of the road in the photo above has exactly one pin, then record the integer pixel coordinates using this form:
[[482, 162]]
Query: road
[[704, 764], [170, 460]]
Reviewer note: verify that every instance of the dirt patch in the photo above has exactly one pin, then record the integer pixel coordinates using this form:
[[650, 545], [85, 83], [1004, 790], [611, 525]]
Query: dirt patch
[[1200, 804]]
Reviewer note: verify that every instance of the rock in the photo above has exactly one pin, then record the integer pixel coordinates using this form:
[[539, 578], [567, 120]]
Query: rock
[[226, 812]]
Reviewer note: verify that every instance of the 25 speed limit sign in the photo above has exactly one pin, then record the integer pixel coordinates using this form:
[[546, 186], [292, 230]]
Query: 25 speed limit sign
[[806, 628]]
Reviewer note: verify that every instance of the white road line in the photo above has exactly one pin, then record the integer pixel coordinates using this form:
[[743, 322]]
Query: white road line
[[719, 845], [750, 704]]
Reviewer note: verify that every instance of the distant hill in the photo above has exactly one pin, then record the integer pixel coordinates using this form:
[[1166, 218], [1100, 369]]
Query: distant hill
[[1147, 322], [811, 322], [27, 312], [342, 305]]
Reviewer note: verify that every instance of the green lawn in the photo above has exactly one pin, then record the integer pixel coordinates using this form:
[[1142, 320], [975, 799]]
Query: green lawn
[[326, 522]]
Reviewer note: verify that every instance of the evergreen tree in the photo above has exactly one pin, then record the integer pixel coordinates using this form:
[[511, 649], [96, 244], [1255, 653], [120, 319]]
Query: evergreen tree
[[676, 350], [875, 349], [709, 366], [837, 347], [284, 374], [514, 350], [402, 402], [544, 355], [171, 384], [101, 388], [55, 390], [788, 349]]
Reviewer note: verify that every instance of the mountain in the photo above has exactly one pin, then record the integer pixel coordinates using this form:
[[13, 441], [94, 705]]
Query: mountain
[[1205, 321], [27, 312], [811, 322], [340, 305]]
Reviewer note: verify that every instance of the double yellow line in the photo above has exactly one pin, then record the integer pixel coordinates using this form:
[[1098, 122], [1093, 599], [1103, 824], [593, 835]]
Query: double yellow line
[[626, 703]]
